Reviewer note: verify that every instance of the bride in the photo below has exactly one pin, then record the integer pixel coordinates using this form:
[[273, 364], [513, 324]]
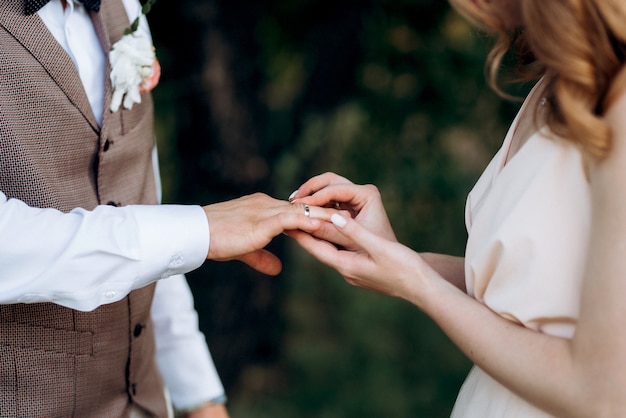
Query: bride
[[537, 303]]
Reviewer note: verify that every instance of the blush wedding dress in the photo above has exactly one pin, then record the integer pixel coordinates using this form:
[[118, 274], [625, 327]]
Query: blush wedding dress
[[528, 219]]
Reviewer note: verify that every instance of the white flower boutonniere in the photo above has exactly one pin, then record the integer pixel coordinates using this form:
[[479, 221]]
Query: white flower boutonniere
[[131, 64], [132, 59]]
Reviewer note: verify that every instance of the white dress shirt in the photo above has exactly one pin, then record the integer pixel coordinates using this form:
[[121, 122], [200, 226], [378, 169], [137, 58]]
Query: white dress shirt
[[112, 250]]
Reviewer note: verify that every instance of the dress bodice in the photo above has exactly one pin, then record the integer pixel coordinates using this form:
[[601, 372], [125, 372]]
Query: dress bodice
[[528, 220]]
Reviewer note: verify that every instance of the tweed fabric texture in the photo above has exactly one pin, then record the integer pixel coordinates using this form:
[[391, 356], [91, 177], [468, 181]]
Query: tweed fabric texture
[[32, 6], [56, 361]]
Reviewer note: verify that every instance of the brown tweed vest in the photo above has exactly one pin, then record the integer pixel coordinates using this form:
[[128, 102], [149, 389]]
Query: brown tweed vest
[[55, 361]]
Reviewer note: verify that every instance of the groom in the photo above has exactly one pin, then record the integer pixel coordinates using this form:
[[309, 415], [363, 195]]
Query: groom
[[84, 328]]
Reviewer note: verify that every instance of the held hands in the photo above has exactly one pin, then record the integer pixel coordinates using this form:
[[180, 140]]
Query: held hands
[[241, 228], [342, 224], [363, 203], [361, 247]]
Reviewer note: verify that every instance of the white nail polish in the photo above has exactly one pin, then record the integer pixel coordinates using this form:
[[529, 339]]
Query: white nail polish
[[291, 196], [338, 220]]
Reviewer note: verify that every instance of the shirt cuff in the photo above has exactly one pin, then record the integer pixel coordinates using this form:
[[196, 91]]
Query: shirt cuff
[[174, 239]]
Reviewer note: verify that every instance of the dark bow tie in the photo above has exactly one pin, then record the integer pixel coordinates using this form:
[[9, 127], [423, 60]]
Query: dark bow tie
[[31, 6]]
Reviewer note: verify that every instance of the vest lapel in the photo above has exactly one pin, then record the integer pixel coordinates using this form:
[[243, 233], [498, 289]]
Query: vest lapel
[[33, 34], [103, 36], [105, 42]]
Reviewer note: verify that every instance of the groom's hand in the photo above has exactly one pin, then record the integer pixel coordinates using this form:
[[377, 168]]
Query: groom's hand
[[241, 228], [208, 411]]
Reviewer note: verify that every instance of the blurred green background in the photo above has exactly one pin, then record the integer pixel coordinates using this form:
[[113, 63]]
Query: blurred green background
[[261, 95]]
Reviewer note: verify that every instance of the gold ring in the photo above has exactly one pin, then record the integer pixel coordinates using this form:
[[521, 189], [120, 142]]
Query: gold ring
[[307, 211]]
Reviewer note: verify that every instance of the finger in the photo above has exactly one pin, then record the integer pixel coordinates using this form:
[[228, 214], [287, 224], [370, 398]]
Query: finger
[[320, 249], [277, 224], [263, 261], [357, 234], [317, 183], [328, 232], [344, 194], [313, 212]]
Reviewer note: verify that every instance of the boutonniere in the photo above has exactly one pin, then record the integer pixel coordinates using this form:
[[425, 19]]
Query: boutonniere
[[133, 64]]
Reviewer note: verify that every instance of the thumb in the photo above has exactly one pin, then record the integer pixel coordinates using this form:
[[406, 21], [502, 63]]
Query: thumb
[[262, 261]]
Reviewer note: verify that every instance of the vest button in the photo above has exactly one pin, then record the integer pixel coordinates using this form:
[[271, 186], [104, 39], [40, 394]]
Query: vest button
[[107, 145], [137, 330]]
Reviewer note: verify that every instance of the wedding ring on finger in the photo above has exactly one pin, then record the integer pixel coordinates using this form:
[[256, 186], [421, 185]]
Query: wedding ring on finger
[[307, 211]]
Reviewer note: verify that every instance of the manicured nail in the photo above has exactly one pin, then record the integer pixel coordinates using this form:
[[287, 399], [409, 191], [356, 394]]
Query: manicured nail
[[338, 220], [291, 196]]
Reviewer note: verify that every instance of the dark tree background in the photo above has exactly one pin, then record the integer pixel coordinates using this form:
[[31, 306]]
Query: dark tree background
[[259, 96]]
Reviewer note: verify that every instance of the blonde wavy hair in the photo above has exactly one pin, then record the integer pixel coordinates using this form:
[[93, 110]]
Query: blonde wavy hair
[[578, 46]]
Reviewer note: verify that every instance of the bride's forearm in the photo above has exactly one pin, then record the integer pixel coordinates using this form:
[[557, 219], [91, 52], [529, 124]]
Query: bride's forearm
[[449, 267], [535, 366]]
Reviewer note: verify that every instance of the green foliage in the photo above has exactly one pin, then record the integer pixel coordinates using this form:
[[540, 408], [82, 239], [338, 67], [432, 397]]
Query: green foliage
[[349, 353]]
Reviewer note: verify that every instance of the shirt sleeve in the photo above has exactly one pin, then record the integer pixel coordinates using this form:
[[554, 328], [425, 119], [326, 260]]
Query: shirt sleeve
[[112, 250], [182, 352], [133, 11]]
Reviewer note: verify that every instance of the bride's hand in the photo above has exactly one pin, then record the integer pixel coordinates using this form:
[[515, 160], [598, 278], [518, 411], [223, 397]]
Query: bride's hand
[[380, 265], [363, 202]]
